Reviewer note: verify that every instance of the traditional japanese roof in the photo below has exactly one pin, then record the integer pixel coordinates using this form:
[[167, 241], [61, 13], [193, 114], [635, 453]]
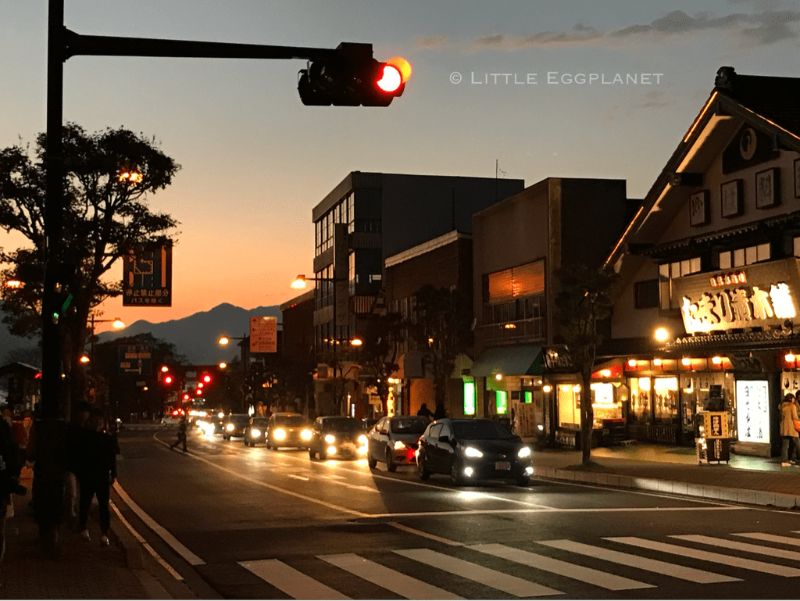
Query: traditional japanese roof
[[768, 104]]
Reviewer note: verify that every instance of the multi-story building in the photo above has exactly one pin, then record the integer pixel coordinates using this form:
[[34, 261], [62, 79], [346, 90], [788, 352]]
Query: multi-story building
[[366, 218], [519, 245], [710, 264]]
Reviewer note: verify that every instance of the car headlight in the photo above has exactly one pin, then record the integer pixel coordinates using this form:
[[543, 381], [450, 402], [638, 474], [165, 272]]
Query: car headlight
[[330, 438], [399, 444], [472, 452], [305, 435], [221, 414], [524, 452], [362, 439], [229, 427], [255, 433], [280, 434]]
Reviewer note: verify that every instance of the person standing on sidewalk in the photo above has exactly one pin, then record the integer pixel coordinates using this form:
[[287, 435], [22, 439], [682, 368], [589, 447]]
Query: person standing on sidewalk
[[96, 470], [9, 474], [182, 427], [789, 435]]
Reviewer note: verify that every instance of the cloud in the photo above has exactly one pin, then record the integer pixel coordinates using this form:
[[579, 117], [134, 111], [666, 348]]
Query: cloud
[[762, 28], [432, 42]]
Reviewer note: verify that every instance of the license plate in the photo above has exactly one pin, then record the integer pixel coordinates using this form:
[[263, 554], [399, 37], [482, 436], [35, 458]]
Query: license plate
[[502, 466]]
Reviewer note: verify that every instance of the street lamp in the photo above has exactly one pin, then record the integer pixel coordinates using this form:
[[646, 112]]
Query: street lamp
[[116, 323]]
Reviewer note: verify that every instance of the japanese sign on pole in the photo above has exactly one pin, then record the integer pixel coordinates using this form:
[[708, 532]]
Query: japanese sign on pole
[[147, 275], [263, 334]]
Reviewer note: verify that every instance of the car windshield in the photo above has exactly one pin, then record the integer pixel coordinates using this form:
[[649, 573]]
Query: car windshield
[[341, 424], [238, 419], [260, 421], [481, 430], [409, 425], [290, 420]]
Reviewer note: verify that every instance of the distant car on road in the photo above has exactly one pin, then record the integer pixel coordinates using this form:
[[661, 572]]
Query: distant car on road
[[393, 440], [286, 429], [234, 425], [172, 418], [337, 436], [255, 431], [473, 449]]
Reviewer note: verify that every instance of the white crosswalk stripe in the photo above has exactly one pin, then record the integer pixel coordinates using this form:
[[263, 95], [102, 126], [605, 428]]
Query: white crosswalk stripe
[[729, 560], [292, 582], [391, 580], [739, 546], [770, 538], [642, 563], [465, 569], [562, 568], [421, 584]]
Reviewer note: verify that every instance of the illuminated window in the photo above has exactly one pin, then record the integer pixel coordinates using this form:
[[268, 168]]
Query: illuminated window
[[501, 402], [740, 257], [524, 280], [528, 397], [668, 272], [469, 398]]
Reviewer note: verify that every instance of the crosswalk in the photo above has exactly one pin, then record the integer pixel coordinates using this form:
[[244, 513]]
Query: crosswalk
[[538, 568]]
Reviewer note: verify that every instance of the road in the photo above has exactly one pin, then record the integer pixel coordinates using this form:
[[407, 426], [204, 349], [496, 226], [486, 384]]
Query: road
[[240, 522]]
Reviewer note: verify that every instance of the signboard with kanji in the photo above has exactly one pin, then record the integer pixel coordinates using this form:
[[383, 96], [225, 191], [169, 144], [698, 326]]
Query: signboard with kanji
[[715, 424], [147, 276], [263, 334]]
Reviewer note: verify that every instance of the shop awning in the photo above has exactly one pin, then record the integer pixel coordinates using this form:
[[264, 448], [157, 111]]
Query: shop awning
[[518, 360]]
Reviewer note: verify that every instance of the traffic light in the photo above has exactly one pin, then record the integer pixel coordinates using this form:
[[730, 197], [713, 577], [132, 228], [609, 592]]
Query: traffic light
[[351, 77], [206, 379], [168, 379]]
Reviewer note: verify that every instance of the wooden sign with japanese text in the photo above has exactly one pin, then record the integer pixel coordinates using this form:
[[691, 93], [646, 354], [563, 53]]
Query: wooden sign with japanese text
[[263, 334], [147, 276]]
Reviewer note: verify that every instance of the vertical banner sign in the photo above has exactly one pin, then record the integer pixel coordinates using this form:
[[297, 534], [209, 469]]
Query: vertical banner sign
[[147, 276], [263, 334]]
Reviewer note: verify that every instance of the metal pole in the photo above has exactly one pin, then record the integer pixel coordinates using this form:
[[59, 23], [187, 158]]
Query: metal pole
[[53, 213]]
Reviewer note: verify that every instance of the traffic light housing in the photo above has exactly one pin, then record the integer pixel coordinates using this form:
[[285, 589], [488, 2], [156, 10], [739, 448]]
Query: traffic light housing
[[351, 77]]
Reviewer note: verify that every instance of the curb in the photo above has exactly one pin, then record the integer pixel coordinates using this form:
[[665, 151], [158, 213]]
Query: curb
[[717, 493]]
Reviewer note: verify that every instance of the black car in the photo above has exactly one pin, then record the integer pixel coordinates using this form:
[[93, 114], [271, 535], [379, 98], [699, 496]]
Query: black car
[[473, 449], [337, 436], [255, 431], [234, 425]]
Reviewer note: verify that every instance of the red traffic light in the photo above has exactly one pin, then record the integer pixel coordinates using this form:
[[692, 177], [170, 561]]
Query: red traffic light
[[391, 79], [168, 380], [207, 379], [185, 396]]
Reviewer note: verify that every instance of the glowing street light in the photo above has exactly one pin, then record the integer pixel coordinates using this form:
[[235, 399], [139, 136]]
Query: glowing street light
[[661, 334]]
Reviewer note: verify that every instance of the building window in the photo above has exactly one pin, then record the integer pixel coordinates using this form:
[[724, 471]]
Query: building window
[[645, 294], [501, 402], [469, 398], [739, 257], [667, 272], [508, 284]]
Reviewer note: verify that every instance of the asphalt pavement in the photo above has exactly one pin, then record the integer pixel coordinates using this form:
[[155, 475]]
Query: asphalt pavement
[[227, 521]]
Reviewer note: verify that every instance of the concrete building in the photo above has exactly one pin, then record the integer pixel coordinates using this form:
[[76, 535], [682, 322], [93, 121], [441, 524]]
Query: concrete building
[[519, 245], [711, 259], [366, 218]]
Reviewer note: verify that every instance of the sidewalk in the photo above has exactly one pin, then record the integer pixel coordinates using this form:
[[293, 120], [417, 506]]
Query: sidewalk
[[752, 480], [85, 570]]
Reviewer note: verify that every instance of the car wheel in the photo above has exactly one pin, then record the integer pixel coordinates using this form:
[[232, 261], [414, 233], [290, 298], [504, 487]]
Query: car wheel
[[225, 437], [372, 462], [311, 454], [455, 474], [322, 455], [390, 464], [422, 470], [523, 481]]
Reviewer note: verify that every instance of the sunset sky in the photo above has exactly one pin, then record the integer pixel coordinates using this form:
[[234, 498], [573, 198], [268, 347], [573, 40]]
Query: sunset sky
[[255, 160]]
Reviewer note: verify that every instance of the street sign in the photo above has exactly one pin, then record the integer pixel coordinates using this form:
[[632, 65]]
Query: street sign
[[263, 334], [147, 275], [715, 424]]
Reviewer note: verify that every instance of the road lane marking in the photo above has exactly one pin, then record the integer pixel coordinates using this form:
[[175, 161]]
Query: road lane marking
[[642, 563], [384, 577], [292, 582], [141, 540], [272, 487], [611, 582], [549, 510], [296, 477], [500, 581], [424, 534], [728, 560], [739, 546], [167, 536], [770, 538]]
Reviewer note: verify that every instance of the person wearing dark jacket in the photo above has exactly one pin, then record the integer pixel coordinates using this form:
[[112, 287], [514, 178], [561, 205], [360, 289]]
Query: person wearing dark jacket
[[9, 478], [96, 469]]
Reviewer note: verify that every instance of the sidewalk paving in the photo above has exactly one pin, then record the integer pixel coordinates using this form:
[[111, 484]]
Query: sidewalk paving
[[84, 570], [752, 480]]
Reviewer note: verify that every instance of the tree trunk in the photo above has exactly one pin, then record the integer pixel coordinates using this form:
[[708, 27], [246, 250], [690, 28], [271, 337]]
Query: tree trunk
[[587, 417]]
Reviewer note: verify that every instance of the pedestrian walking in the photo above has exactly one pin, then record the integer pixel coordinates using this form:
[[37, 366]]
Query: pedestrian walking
[[425, 412], [75, 431], [9, 478], [181, 440], [96, 470], [789, 434]]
